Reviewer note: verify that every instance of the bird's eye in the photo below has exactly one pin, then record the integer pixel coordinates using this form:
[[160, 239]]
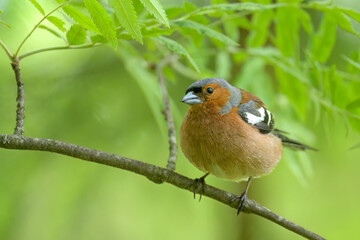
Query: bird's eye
[[209, 90]]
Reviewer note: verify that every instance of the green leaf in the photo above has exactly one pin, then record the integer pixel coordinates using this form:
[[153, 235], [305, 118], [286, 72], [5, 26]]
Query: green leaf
[[338, 15], [155, 32], [352, 62], [255, 68], [98, 38], [174, 12], [231, 28], [261, 22], [37, 5], [178, 49], [354, 105], [351, 13], [223, 65], [341, 20], [205, 30], [57, 22], [196, 38], [275, 58], [319, 5], [324, 39], [188, 7], [124, 36], [50, 30], [4, 23], [305, 21], [287, 30], [265, 52], [156, 9], [102, 20], [80, 18], [354, 108], [126, 14], [76, 35]]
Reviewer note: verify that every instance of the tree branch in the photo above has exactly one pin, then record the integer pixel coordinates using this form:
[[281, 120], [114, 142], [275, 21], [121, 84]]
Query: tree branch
[[20, 108], [167, 111], [152, 172]]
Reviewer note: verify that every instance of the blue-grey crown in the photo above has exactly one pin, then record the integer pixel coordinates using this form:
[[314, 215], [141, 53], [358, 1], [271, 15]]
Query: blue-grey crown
[[235, 97]]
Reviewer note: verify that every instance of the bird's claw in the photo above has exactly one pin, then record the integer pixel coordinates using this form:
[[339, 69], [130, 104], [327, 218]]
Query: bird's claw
[[242, 199], [197, 182]]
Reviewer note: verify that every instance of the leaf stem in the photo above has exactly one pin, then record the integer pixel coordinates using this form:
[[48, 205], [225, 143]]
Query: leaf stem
[[37, 25], [6, 50], [58, 48]]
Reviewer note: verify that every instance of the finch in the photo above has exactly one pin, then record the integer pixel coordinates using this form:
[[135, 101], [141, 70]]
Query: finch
[[229, 133]]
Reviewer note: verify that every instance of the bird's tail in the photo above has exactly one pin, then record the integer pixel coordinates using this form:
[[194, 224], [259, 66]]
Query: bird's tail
[[292, 143]]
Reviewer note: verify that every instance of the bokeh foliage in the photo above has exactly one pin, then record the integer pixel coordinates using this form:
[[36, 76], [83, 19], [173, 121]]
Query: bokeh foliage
[[300, 57]]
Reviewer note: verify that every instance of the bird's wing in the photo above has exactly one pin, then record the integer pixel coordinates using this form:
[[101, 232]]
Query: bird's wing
[[252, 110]]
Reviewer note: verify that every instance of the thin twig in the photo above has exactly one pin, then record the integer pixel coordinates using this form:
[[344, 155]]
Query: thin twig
[[37, 25], [152, 172], [6, 50], [20, 99], [59, 48], [171, 164]]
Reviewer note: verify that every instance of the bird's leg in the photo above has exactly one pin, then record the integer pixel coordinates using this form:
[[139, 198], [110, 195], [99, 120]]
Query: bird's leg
[[197, 182], [242, 197]]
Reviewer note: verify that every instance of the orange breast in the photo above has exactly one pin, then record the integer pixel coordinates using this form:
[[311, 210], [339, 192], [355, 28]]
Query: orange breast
[[226, 146]]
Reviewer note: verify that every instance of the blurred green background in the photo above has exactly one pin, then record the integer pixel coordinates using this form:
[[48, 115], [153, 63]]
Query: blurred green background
[[105, 99]]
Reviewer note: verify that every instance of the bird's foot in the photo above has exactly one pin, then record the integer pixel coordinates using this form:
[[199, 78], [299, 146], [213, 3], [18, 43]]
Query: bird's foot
[[242, 199], [199, 183]]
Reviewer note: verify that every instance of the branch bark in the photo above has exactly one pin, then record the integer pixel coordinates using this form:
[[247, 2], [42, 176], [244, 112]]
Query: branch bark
[[152, 172], [168, 115], [20, 108]]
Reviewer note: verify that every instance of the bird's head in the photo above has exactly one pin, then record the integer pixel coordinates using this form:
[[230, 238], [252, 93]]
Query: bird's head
[[213, 93]]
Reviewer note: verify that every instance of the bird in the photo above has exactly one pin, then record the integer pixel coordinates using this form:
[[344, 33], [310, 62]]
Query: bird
[[229, 133]]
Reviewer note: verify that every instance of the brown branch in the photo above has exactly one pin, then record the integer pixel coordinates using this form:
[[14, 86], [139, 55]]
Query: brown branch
[[171, 164], [20, 108], [152, 172]]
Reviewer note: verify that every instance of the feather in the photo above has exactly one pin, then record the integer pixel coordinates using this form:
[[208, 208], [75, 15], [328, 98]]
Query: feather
[[254, 114], [291, 143]]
